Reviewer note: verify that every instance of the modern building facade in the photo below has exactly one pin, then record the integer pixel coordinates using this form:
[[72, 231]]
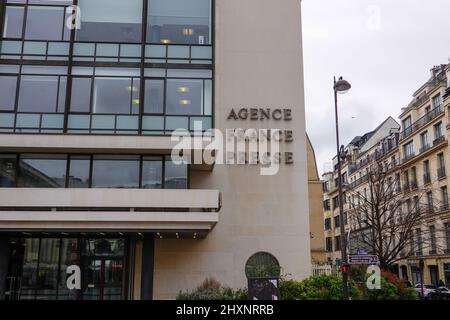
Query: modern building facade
[[92, 205], [414, 156]]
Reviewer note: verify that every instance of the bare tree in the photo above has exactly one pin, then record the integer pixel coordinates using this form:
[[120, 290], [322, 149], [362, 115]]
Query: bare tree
[[387, 218]]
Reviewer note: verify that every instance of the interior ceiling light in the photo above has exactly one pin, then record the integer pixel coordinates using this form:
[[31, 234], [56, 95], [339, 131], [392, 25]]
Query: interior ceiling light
[[185, 102], [165, 41], [132, 88], [183, 89], [136, 101], [188, 31]]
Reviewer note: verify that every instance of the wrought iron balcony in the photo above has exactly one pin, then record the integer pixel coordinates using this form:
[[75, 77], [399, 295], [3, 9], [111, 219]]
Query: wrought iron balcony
[[424, 148], [427, 118], [438, 140]]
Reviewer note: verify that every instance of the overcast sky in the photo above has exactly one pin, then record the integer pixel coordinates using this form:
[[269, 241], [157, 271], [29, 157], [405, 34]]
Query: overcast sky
[[385, 48]]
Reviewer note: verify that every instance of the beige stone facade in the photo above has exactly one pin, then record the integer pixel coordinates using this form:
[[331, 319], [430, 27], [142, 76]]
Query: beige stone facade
[[416, 155]]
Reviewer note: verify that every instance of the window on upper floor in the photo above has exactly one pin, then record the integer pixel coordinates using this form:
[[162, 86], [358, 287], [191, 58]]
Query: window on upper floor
[[91, 171], [39, 20], [424, 143], [408, 150], [437, 101], [407, 123], [438, 130], [179, 21], [110, 21], [337, 222], [329, 244], [328, 224]]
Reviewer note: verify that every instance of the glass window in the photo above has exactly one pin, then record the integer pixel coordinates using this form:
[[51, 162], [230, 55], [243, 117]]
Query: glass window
[[154, 96], [152, 173], [116, 96], [42, 171], [79, 171], [184, 97], [48, 269], [81, 95], [179, 21], [125, 169], [70, 255], [8, 86], [110, 20], [13, 22], [46, 23], [175, 176], [30, 269], [7, 170], [38, 94]]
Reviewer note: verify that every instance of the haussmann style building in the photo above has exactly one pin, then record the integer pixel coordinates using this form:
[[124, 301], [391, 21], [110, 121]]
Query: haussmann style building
[[90, 93]]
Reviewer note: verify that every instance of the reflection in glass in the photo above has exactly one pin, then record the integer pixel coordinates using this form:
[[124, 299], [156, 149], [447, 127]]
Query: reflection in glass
[[179, 21], [38, 94], [7, 171], [184, 97], [13, 22], [175, 176], [116, 96], [81, 95], [29, 271], [79, 172], [152, 173], [46, 23], [154, 96], [115, 172], [8, 86], [42, 171], [48, 269], [110, 20], [69, 256]]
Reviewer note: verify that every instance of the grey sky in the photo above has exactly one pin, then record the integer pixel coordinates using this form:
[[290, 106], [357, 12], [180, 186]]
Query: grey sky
[[385, 48]]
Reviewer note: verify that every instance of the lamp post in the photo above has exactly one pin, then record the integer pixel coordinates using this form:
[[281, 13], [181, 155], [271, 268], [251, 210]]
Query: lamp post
[[341, 86]]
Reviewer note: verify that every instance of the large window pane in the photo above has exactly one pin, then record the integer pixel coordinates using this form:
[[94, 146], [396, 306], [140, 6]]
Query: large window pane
[[38, 94], [154, 96], [13, 22], [179, 21], [7, 171], [110, 20], [42, 171], [184, 97], [152, 173], [175, 176], [7, 92], [81, 95], [48, 269], [28, 282], [45, 23], [115, 172], [70, 255], [79, 172], [116, 96]]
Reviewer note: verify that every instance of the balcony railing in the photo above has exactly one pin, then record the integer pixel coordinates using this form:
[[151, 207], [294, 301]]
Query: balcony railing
[[438, 140], [413, 185], [424, 148], [408, 157], [431, 115], [441, 173], [358, 182]]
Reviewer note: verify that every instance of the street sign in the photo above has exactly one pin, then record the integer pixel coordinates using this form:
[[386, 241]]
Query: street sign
[[362, 252], [363, 259]]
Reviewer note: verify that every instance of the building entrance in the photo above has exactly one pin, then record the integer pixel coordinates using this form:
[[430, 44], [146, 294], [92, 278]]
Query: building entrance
[[39, 269]]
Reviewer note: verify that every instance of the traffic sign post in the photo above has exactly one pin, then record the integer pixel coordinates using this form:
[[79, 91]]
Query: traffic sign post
[[365, 259]]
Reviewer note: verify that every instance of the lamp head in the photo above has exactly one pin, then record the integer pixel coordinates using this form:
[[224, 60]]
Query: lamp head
[[342, 86]]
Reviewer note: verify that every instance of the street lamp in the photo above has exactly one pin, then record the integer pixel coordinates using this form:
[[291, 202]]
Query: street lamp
[[341, 86]]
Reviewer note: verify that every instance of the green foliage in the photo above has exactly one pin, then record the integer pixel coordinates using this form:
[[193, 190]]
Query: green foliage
[[392, 288], [323, 287], [211, 289], [388, 291]]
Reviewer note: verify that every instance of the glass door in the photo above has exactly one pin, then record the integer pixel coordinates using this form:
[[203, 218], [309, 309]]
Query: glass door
[[103, 278]]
